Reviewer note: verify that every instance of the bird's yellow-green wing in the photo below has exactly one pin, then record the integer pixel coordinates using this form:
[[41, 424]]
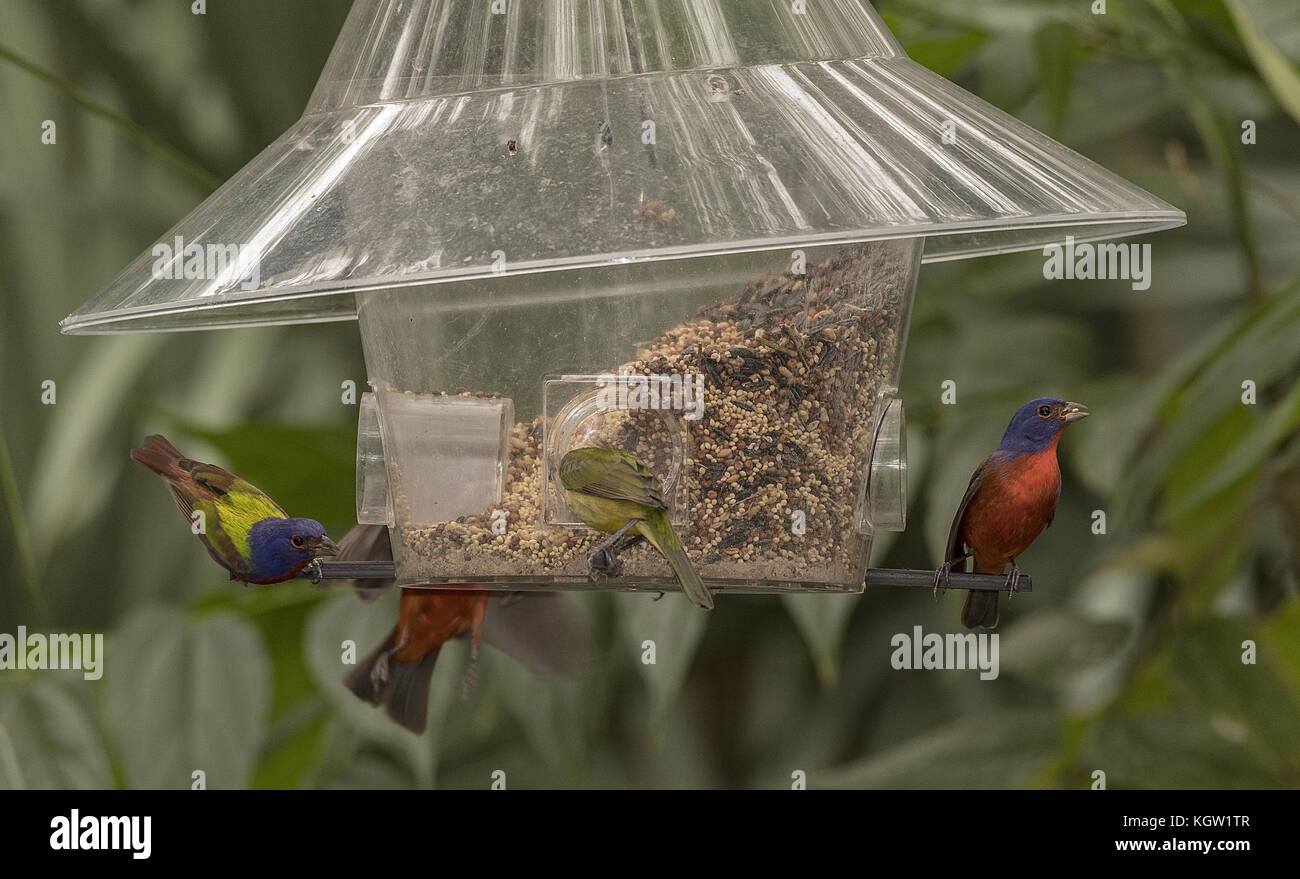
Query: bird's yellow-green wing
[[244, 505], [238, 505], [611, 473], [227, 490]]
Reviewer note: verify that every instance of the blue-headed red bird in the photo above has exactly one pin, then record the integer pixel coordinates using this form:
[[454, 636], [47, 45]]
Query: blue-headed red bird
[[1010, 500], [533, 627], [244, 531]]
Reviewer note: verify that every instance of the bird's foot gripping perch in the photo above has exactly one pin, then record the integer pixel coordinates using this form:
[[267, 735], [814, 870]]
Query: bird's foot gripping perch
[[942, 575], [1013, 580], [604, 561]]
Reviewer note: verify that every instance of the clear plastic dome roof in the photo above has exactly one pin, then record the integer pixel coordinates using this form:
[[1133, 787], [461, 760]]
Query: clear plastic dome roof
[[454, 139]]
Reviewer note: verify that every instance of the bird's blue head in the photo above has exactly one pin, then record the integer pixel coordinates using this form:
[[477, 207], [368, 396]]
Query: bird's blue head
[[1037, 424], [280, 548]]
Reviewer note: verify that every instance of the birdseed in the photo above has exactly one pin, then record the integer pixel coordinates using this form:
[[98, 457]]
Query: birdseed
[[794, 367]]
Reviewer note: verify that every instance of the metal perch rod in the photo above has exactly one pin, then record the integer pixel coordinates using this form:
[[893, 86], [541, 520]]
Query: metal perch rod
[[875, 576]]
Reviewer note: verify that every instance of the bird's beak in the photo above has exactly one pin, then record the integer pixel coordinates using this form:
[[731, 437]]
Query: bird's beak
[[1073, 412], [325, 547]]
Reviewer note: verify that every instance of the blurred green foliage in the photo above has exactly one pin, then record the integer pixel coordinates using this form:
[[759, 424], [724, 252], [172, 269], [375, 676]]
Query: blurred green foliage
[[1126, 658]]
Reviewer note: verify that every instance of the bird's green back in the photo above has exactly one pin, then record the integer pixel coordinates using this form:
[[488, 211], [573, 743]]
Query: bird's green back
[[611, 473], [233, 515]]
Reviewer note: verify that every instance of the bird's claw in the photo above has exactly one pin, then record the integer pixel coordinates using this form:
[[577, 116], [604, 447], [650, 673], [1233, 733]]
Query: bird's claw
[[314, 569], [604, 558], [659, 596], [942, 579], [1013, 582], [603, 563]]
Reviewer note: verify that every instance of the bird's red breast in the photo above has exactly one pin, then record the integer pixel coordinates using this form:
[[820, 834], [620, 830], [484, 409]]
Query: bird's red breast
[[1015, 502], [429, 618]]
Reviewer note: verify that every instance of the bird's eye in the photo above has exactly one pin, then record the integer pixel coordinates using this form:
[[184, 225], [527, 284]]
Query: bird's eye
[[296, 540], [1044, 411]]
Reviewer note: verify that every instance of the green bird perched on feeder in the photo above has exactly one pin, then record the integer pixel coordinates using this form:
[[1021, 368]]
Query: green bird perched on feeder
[[243, 530], [614, 491]]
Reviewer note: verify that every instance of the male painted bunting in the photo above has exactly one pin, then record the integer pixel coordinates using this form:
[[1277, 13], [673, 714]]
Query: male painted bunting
[[398, 672], [244, 531], [534, 628], [614, 491], [1010, 500]]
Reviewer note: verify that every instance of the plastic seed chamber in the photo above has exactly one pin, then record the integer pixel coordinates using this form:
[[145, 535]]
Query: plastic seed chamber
[[686, 228]]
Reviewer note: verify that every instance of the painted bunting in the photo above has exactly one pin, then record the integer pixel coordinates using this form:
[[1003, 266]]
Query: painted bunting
[[534, 628], [244, 531], [398, 672], [1011, 498], [614, 491]]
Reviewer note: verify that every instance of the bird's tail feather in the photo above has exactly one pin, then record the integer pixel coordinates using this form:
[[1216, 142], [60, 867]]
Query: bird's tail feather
[[403, 689], [662, 535], [408, 694], [362, 680], [158, 454], [980, 609]]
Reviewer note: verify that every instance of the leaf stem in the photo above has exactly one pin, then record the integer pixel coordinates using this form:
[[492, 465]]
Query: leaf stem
[[22, 539], [139, 135]]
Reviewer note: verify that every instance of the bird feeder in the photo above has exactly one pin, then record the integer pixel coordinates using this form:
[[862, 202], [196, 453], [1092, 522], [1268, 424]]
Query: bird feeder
[[686, 228]]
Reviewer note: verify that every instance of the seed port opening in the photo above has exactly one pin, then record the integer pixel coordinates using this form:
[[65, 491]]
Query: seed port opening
[[372, 477], [445, 456], [882, 505], [597, 410]]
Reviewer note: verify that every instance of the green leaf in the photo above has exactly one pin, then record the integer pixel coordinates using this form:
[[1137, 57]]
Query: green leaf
[[676, 627], [187, 695], [822, 619], [1276, 69], [21, 539], [68, 488], [558, 716], [1207, 660], [1252, 449], [1099, 449], [1055, 44], [1052, 645], [48, 740], [292, 749], [1007, 15], [998, 751], [1203, 385], [11, 770], [1282, 633], [141, 136], [1173, 751], [945, 54]]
